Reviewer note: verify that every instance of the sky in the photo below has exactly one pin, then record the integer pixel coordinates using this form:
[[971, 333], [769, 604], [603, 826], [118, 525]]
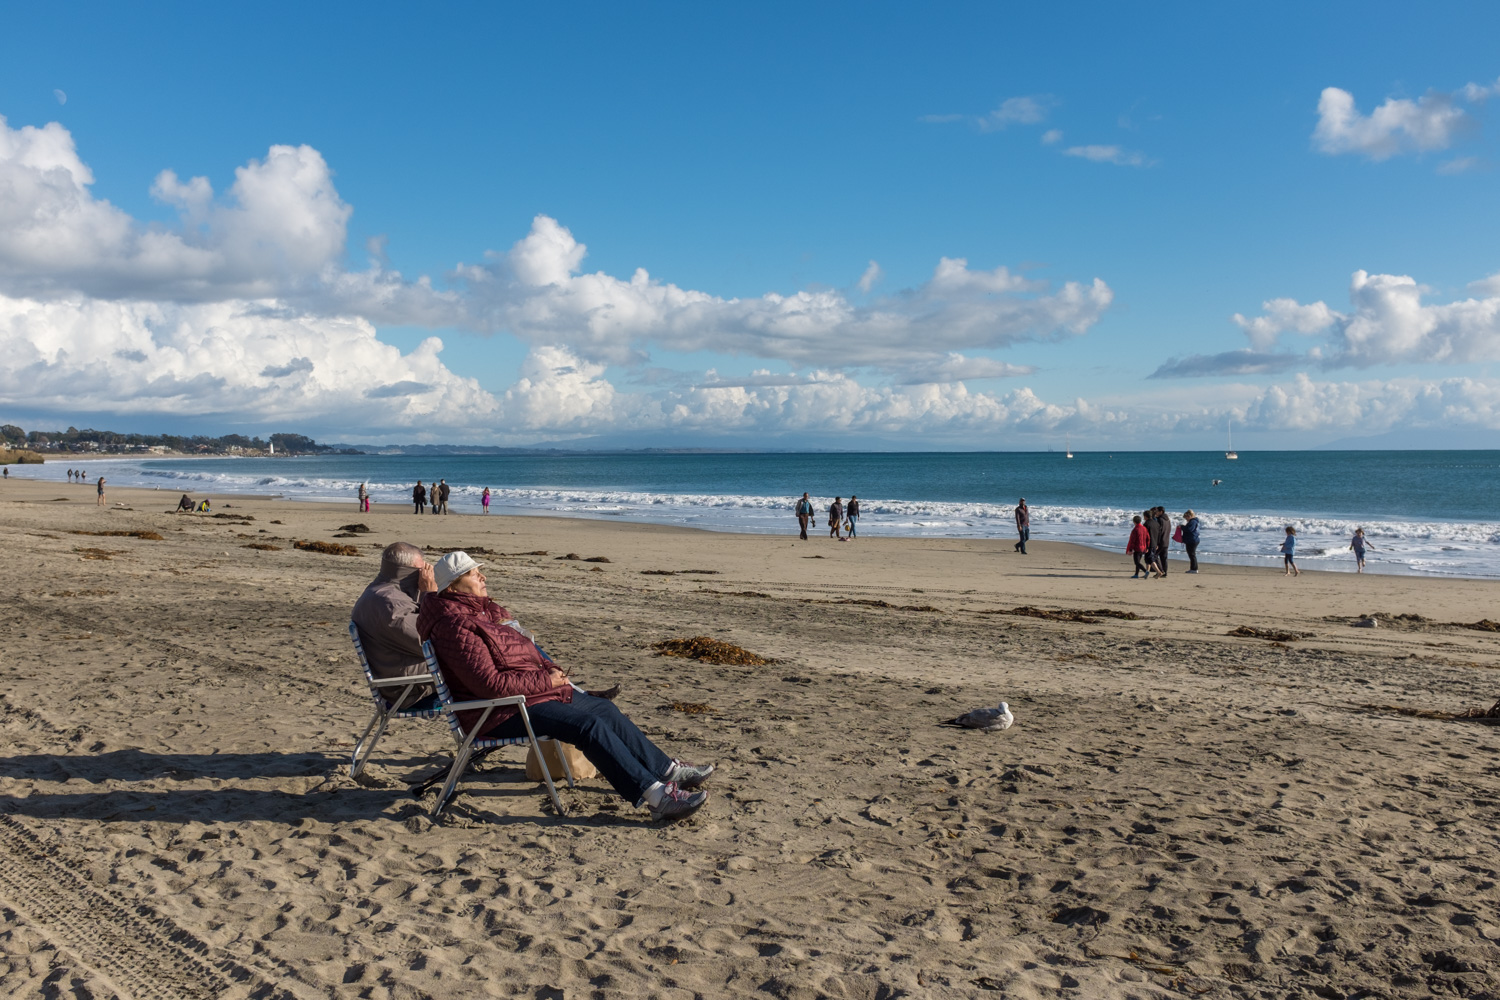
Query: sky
[[797, 226]]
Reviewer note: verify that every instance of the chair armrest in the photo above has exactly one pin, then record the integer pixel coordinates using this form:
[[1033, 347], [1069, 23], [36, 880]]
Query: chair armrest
[[464, 706], [385, 682]]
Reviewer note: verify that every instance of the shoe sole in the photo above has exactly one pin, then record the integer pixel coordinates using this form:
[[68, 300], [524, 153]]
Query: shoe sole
[[674, 817]]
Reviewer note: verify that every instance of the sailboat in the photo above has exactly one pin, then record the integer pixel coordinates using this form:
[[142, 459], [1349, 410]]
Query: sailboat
[[1229, 439], [1069, 446]]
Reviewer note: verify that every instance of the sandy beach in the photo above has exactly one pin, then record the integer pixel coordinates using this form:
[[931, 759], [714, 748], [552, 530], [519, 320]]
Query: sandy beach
[[1176, 812]]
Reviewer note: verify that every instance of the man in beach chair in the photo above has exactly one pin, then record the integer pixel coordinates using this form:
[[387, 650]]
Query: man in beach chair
[[484, 654], [386, 614]]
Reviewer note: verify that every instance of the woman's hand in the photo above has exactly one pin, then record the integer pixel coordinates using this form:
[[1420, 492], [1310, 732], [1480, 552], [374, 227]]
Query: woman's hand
[[559, 679]]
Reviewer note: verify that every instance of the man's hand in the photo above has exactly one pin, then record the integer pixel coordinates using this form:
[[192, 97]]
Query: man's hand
[[426, 582], [559, 679]]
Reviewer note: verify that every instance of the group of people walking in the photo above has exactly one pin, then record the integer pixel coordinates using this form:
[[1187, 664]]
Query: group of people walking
[[843, 519], [1152, 535]]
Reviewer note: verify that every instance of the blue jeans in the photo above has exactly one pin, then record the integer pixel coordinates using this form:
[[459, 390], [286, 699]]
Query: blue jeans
[[612, 743], [853, 521], [1025, 533]]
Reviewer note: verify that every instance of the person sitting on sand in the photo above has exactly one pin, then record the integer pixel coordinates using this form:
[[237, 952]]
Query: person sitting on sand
[[1289, 553], [484, 656], [185, 503]]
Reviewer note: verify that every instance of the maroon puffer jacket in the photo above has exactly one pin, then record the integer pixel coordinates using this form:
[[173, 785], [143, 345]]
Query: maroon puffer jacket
[[482, 658]]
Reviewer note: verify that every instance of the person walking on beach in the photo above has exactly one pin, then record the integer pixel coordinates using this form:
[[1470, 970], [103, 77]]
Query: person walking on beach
[[1359, 544], [804, 514], [1163, 538], [1157, 529], [1023, 526], [836, 519], [100, 502], [364, 498], [484, 500], [1138, 545], [419, 497], [1289, 553], [442, 497], [851, 514], [1190, 537]]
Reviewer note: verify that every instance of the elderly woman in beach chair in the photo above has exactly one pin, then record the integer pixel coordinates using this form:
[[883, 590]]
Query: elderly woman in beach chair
[[484, 654]]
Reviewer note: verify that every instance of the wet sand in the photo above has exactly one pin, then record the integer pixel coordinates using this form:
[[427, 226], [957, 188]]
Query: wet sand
[[1176, 811]]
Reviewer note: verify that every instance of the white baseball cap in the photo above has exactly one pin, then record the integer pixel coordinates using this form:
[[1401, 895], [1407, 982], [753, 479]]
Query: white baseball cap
[[451, 567]]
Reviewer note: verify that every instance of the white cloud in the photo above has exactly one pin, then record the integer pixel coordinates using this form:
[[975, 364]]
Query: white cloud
[[1459, 165], [1478, 93], [279, 235], [1397, 126], [282, 222], [1109, 154], [1017, 111], [1028, 110], [1052, 137], [1387, 324], [1282, 315], [537, 292], [236, 360], [872, 277]]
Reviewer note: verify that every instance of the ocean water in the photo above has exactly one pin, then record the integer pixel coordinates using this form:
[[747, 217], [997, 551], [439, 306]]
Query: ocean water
[[1430, 513]]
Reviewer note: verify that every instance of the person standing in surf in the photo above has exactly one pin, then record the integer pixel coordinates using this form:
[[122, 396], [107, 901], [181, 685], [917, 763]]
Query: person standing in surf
[[1023, 526], [484, 500], [1289, 553], [836, 519]]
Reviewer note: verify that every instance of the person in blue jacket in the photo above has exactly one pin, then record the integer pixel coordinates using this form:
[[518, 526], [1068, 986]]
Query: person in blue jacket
[[1190, 537], [1289, 553]]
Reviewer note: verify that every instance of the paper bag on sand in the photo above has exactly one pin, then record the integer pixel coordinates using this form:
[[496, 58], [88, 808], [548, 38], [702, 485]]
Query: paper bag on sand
[[576, 761]]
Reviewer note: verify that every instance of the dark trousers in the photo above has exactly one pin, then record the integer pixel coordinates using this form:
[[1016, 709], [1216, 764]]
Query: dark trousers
[[802, 521], [1161, 559], [1140, 566], [1192, 550], [1024, 534], [612, 743], [418, 505]]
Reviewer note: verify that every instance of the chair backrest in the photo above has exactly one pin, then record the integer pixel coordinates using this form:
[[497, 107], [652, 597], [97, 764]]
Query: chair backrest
[[364, 661], [445, 696]]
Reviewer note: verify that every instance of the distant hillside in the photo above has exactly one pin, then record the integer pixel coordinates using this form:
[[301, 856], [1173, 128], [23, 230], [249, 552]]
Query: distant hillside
[[92, 442]]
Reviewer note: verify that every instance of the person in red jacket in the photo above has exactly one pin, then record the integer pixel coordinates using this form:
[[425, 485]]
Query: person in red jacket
[[1139, 545], [484, 653]]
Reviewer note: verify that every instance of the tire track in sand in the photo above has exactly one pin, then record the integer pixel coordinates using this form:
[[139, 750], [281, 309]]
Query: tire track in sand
[[141, 955]]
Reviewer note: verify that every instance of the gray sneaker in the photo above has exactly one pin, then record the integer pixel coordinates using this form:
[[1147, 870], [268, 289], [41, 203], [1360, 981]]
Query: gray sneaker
[[677, 804], [687, 776]]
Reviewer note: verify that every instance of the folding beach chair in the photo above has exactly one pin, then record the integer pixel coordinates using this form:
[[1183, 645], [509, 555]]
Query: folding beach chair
[[388, 692], [469, 747]]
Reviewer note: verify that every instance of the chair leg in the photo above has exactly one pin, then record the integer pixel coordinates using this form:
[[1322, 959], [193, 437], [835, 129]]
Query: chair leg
[[460, 764], [542, 762], [567, 768], [357, 764]]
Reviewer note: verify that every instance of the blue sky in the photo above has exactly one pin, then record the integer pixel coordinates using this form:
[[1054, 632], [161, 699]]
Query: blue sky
[[863, 226]]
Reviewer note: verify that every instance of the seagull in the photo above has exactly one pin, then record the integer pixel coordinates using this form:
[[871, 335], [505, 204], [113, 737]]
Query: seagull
[[988, 719]]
